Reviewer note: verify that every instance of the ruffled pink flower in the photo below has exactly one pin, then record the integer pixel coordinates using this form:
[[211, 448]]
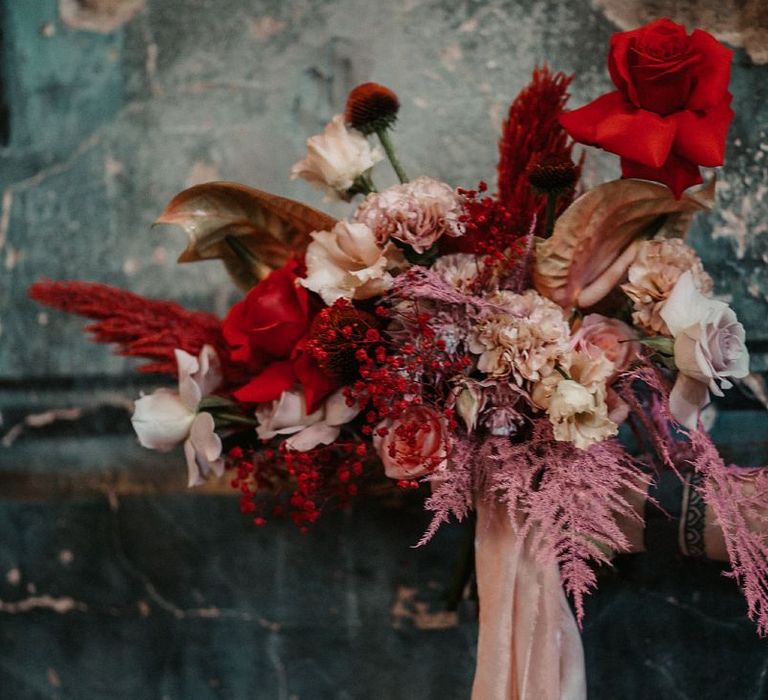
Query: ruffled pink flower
[[417, 213]]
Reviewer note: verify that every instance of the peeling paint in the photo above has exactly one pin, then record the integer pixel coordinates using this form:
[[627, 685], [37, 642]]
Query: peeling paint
[[738, 22], [102, 16], [61, 605]]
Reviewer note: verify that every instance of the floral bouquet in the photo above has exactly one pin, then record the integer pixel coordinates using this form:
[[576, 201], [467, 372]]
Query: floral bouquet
[[490, 345]]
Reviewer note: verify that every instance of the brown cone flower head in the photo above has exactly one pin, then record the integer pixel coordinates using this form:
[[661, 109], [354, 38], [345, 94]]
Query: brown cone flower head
[[553, 174], [371, 107]]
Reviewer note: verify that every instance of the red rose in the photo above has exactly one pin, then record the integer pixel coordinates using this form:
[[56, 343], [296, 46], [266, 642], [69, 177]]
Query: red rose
[[272, 318], [671, 110], [267, 331]]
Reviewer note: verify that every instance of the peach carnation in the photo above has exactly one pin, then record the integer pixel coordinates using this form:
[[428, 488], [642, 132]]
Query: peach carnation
[[524, 339], [652, 276]]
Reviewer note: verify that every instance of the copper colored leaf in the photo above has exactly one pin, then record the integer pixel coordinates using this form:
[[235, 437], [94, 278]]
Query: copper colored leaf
[[271, 228], [594, 240]]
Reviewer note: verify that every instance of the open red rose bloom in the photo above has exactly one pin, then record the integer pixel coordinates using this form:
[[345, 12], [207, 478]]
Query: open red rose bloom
[[670, 111]]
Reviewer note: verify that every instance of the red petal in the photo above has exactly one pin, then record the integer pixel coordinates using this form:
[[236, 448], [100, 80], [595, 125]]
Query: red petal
[[317, 385], [618, 63], [268, 385], [615, 125], [677, 173], [714, 71], [701, 137], [233, 327]]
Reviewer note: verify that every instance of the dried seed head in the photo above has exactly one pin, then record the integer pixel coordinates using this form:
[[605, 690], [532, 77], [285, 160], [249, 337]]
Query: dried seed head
[[371, 107]]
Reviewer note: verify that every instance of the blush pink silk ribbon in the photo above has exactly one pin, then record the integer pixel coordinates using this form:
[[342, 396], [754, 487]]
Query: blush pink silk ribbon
[[529, 646]]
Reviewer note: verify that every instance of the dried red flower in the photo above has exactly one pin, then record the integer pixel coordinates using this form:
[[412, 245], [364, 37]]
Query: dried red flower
[[553, 174], [139, 326], [341, 337], [371, 107], [532, 132]]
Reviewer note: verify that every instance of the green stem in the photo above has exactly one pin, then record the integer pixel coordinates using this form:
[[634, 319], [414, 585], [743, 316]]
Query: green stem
[[234, 418], [550, 211], [389, 149], [242, 252]]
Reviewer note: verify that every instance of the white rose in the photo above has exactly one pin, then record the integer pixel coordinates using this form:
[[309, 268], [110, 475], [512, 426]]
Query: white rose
[[335, 159], [288, 416], [709, 348], [348, 263], [166, 418]]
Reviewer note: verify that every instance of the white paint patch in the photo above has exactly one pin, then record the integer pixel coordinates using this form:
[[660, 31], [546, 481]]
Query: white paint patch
[[265, 27], [13, 577], [12, 257], [131, 266], [201, 172], [61, 605], [42, 318], [66, 557], [53, 678], [450, 56], [159, 255]]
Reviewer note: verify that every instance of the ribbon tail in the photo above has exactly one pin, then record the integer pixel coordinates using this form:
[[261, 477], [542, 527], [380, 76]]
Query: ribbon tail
[[529, 647]]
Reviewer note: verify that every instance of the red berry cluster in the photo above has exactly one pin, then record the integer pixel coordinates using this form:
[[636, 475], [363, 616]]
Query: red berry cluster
[[300, 485], [336, 335], [392, 378], [490, 228]]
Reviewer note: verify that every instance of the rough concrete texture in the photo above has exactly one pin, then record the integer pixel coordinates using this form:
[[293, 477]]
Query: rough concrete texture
[[112, 585], [105, 128]]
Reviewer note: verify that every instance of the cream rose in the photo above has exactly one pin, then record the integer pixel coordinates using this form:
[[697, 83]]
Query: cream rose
[[335, 159], [709, 348], [348, 263]]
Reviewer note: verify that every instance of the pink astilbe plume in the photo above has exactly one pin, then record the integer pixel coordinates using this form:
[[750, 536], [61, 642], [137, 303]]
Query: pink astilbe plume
[[531, 133], [140, 327], [739, 499], [571, 499]]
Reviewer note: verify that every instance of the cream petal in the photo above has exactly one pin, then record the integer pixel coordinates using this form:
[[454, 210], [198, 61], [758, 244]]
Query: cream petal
[[161, 420], [687, 398], [312, 436]]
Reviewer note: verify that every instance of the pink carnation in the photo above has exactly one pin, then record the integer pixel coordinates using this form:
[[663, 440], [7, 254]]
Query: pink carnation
[[417, 213]]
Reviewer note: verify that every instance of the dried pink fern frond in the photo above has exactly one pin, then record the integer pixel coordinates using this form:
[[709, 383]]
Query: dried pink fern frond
[[739, 499], [571, 500]]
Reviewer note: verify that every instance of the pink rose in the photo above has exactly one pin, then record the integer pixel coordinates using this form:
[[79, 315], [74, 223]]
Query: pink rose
[[615, 338], [414, 444]]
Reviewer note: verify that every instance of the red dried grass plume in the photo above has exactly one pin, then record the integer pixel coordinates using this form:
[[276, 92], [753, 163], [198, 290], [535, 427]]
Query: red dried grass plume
[[371, 107], [531, 134], [140, 327]]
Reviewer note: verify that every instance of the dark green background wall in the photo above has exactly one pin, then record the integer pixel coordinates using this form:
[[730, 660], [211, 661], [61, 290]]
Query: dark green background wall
[[116, 583]]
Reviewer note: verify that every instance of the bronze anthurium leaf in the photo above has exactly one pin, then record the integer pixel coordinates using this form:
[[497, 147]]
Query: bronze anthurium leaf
[[595, 239], [251, 231]]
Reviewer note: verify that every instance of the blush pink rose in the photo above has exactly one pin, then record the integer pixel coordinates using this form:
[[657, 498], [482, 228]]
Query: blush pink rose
[[415, 444], [615, 338]]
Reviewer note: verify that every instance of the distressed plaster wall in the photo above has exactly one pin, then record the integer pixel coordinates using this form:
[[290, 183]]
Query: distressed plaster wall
[[114, 585]]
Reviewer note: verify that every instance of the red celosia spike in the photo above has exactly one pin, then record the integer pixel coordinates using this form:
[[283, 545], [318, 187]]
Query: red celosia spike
[[531, 132], [141, 327]]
